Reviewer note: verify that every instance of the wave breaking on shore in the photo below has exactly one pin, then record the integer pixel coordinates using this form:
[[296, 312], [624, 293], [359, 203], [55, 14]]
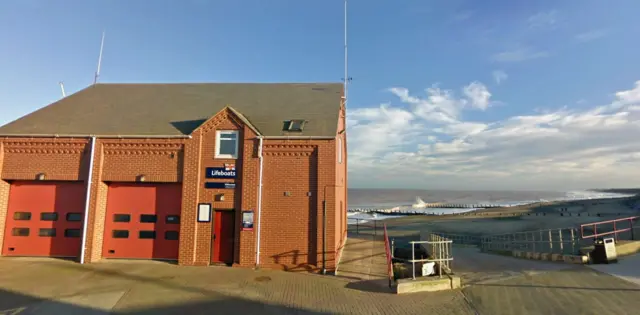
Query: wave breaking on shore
[[363, 214]]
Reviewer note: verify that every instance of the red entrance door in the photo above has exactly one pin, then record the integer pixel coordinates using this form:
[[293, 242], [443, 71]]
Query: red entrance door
[[223, 235]]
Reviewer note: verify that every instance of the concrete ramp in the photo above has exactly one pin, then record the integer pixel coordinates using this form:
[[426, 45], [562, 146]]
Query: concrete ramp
[[363, 258], [474, 266], [627, 268]]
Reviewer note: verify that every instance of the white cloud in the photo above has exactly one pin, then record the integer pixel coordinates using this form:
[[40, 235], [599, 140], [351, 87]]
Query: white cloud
[[520, 54], [543, 20], [478, 95], [424, 142], [590, 35], [630, 96], [499, 76]]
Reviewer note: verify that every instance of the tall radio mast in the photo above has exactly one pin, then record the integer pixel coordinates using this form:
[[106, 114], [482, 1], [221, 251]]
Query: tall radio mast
[[95, 78], [346, 60]]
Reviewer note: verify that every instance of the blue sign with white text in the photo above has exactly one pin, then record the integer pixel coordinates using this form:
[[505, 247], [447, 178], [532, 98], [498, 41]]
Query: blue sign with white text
[[212, 185], [221, 172]]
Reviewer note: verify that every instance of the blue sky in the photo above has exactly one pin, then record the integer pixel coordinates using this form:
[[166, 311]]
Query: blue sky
[[493, 94]]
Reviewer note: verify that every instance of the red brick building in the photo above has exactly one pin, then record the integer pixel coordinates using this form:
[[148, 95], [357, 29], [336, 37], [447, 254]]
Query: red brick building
[[241, 174]]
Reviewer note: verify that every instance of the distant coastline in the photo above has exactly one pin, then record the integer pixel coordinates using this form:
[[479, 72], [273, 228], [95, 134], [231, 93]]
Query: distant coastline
[[387, 203]]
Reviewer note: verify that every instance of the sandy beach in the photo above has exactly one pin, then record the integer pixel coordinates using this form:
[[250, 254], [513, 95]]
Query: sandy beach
[[562, 214]]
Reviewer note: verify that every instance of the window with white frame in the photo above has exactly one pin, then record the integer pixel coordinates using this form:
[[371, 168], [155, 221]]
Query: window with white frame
[[340, 150], [226, 144]]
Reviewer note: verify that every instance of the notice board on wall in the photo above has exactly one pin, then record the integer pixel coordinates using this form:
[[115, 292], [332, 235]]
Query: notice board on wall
[[247, 220]]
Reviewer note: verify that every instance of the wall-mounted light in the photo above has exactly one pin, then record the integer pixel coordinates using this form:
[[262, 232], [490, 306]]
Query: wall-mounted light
[[40, 176], [141, 178], [220, 197], [287, 193]]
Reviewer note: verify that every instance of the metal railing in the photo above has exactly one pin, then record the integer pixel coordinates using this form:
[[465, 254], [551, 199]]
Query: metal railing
[[389, 254], [608, 227], [554, 241], [460, 239], [438, 251], [362, 226]]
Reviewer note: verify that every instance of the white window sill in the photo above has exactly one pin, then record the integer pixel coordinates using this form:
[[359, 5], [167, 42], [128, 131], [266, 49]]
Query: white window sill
[[226, 157]]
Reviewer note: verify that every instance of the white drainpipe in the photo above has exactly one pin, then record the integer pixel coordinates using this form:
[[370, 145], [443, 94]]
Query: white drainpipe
[[259, 201], [85, 223]]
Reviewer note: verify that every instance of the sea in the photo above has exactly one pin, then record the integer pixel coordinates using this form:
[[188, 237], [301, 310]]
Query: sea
[[361, 200]]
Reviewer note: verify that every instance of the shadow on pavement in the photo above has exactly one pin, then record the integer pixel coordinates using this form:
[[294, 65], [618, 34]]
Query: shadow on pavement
[[376, 286], [19, 304], [225, 306]]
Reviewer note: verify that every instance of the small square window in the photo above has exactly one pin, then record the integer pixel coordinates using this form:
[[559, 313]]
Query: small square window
[[72, 233], [22, 216], [147, 234], [227, 144], [48, 216], [120, 234], [20, 232], [171, 235], [148, 218], [173, 219], [294, 125], [74, 217], [47, 232], [121, 217]]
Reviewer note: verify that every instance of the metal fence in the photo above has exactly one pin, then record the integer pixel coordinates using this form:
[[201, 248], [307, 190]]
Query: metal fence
[[609, 228], [389, 255], [553, 241], [363, 226], [460, 239], [439, 251]]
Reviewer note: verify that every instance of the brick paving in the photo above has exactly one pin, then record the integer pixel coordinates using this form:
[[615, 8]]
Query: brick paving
[[159, 288], [48, 286]]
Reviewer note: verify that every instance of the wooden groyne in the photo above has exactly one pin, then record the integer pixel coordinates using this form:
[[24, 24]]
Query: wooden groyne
[[421, 210]]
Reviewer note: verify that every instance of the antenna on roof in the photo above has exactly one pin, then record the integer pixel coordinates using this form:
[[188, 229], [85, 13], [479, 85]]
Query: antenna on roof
[[346, 78], [62, 88], [95, 78]]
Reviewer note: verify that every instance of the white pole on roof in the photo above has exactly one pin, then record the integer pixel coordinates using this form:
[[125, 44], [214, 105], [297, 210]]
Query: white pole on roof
[[62, 88], [95, 78], [346, 73]]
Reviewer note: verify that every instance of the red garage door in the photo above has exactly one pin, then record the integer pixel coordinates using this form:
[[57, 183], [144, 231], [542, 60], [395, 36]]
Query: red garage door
[[143, 221], [44, 219]]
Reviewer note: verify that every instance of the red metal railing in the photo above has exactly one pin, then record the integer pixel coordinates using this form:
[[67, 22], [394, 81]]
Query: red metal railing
[[387, 248], [615, 231]]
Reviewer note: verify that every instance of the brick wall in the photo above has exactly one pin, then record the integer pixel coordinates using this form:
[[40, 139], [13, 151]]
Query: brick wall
[[4, 197], [124, 160], [57, 158], [225, 120], [245, 253], [341, 184], [290, 223]]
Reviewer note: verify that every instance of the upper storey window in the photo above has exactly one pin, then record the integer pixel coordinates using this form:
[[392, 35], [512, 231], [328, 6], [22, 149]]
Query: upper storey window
[[226, 144]]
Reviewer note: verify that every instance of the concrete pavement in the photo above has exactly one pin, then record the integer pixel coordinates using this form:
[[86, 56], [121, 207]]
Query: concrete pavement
[[579, 290], [627, 268], [473, 266]]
